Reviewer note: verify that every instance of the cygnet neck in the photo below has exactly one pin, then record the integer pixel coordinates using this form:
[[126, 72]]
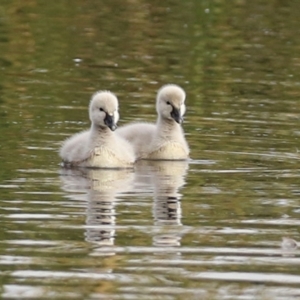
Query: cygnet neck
[[100, 132], [167, 128], [167, 123]]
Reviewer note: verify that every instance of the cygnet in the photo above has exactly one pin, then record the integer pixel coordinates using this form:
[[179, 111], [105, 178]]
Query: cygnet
[[99, 147], [164, 140]]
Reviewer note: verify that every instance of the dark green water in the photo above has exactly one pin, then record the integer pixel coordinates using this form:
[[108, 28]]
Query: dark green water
[[207, 229]]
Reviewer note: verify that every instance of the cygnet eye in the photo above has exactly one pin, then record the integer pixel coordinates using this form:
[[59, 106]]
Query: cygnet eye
[[168, 102], [101, 109]]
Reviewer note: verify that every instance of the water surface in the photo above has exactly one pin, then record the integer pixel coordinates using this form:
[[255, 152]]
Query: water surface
[[209, 228]]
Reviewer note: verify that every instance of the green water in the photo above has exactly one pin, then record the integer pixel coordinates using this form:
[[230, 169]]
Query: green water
[[207, 229]]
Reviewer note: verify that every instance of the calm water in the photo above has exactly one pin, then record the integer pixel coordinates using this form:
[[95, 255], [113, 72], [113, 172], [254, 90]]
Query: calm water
[[210, 228]]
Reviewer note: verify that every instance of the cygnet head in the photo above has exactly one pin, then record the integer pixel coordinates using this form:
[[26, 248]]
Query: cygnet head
[[103, 110], [170, 102]]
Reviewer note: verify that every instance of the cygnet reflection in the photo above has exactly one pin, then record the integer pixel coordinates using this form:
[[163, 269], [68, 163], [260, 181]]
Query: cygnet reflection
[[165, 178], [101, 187]]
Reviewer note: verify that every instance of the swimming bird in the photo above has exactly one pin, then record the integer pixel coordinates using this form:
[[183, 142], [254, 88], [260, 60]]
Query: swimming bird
[[164, 140], [99, 147]]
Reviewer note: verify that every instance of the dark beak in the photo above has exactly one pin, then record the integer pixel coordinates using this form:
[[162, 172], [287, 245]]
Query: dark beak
[[175, 114], [109, 121]]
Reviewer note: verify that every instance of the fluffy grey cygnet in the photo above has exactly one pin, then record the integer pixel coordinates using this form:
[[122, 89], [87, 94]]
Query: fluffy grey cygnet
[[99, 147], [164, 140]]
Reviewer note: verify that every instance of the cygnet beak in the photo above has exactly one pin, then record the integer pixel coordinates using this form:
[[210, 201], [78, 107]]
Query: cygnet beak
[[175, 114], [109, 122]]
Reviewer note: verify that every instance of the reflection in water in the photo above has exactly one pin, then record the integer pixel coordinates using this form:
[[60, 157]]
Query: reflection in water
[[166, 177], [102, 188]]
